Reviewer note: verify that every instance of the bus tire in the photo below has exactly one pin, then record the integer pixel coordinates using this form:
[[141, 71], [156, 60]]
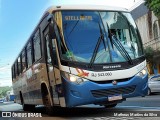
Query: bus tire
[[29, 107], [26, 107], [46, 100], [110, 106], [149, 91]]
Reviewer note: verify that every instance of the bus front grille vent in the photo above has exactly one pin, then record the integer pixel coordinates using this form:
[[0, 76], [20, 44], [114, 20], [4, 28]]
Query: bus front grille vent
[[113, 91]]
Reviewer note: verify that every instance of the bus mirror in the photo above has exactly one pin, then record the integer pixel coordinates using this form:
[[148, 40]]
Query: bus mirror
[[49, 17], [51, 31]]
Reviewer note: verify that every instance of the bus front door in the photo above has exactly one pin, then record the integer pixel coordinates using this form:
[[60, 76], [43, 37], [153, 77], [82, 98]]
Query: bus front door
[[52, 69]]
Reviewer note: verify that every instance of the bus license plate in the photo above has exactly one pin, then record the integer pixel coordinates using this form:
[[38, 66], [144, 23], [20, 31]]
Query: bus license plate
[[116, 97]]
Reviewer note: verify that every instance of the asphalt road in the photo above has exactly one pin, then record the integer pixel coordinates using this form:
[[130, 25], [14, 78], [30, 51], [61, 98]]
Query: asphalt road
[[133, 108]]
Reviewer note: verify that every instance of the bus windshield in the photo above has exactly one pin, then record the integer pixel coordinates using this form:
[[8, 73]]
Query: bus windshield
[[98, 37]]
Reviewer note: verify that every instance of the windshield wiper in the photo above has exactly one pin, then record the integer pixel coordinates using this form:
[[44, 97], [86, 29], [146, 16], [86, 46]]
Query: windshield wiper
[[73, 28], [121, 49], [101, 38], [114, 40]]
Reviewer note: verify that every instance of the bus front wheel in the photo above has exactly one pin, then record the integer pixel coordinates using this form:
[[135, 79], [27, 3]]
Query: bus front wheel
[[46, 100], [110, 106]]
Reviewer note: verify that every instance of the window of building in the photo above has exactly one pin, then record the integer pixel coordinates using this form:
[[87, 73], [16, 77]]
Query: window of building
[[29, 55], [37, 46], [155, 30]]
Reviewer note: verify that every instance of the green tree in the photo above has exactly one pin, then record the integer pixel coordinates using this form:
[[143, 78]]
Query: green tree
[[154, 5], [3, 91], [149, 57], [149, 54]]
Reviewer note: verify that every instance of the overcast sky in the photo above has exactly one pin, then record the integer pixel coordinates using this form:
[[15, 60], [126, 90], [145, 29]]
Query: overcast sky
[[18, 19]]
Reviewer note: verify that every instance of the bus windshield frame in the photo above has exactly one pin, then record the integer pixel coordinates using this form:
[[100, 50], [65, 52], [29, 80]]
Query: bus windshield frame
[[97, 37]]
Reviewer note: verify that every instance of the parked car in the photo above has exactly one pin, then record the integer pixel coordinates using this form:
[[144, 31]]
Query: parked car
[[154, 84], [1, 100]]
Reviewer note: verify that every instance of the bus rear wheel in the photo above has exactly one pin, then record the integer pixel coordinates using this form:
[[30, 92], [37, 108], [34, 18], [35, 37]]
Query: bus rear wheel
[[26, 107]]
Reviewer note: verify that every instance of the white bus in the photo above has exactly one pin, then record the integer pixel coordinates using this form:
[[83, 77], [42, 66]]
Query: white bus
[[80, 55]]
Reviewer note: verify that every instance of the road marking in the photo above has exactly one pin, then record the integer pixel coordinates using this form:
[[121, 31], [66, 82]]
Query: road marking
[[146, 108], [114, 118], [11, 107]]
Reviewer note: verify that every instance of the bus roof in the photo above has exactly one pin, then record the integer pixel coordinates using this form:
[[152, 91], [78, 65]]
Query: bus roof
[[86, 7]]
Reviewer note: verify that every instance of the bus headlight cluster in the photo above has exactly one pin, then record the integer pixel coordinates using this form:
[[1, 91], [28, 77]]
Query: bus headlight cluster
[[143, 72], [73, 78], [76, 79]]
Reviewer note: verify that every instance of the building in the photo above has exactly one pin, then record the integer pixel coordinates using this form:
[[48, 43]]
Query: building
[[149, 27]]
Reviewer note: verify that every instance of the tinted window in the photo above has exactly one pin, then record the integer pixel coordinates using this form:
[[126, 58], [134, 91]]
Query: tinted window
[[13, 72], [37, 46], [24, 60], [51, 45], [16, 69], [155, 79], [48, 51], [19, 65], [29, 54]]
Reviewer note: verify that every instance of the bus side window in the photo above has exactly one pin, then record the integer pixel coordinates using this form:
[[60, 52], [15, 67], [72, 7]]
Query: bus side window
[[37, 46], [23, 60], [29, 55], [19, 65], [13, 72], [16, 69]]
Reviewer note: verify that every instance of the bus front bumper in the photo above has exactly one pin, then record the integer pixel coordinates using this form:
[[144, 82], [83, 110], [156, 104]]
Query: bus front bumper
[[94, 93]]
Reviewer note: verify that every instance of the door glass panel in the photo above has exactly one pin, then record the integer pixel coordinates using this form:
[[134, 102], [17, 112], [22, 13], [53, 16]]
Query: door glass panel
[[48, 52]]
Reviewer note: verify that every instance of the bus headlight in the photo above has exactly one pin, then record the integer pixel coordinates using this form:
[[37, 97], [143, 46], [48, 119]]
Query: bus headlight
[[143, 72], [73, 78], [76, 79]]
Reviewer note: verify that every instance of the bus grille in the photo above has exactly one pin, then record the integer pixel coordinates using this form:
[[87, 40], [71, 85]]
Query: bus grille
[[113, 91]]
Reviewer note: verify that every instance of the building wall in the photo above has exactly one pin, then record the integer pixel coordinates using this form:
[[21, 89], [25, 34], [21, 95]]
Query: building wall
[[142, 25], [155, 21], [152, 40]]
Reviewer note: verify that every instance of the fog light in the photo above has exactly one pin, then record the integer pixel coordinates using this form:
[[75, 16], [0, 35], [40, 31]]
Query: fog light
[[80, 80]]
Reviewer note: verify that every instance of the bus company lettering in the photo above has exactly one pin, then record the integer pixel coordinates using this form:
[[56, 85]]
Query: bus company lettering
[[101, 74], [78, 18], [112, 66]]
